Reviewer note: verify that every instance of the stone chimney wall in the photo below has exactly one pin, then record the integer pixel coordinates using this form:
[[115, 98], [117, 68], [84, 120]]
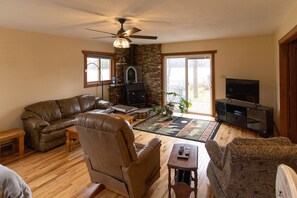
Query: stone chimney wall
[[149, 58]]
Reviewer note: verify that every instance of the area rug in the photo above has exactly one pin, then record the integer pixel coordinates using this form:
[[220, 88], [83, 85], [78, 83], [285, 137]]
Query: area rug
[[180, 127]]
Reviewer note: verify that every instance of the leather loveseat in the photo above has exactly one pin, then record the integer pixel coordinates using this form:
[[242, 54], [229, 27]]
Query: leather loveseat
[[45, 122]]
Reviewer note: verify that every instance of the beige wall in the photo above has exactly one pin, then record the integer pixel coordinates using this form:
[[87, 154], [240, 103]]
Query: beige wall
[[244, 57], [288, 23], [36, 67]]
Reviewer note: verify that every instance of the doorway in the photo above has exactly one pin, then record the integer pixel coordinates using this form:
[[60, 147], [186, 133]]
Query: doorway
[[191, 76], [288, 85]]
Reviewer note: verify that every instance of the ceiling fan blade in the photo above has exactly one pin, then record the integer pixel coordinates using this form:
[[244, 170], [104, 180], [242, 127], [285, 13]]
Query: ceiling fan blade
[[143, 37], [100, 31], [131, 31], [69, 6], [128, 40], [99, 37], [83, 25]]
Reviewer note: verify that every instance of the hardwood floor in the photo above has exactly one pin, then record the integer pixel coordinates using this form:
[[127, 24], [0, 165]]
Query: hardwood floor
[[59, 173]]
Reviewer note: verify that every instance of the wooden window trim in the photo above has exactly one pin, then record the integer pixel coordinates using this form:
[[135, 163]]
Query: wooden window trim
[[98, 55]]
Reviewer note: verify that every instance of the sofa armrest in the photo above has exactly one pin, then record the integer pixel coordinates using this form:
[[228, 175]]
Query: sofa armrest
[[215, 153], [34, 123], [32, 127], [147, 150], [275, 141], [103, 104]]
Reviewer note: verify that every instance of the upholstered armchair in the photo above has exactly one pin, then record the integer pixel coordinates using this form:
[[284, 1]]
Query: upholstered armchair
[[248, 167], [113, 158]]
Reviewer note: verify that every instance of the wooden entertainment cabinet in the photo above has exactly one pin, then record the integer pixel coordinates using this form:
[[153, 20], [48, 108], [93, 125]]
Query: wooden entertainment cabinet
[[248, 115]]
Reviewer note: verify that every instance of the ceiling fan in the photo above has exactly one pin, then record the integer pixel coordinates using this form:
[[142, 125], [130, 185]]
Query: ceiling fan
[[123, 36]]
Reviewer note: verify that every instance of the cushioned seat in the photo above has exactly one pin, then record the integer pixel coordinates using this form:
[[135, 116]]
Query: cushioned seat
[[247, 167], [113, 158], [12, 185]]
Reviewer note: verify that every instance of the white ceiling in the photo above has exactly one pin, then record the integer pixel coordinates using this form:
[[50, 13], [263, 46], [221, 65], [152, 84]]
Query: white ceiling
[[170, 20]]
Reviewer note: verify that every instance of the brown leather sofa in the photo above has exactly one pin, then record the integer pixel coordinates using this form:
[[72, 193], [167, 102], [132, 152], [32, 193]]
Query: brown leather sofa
[[113, 158], [247, 167], [45, 122]]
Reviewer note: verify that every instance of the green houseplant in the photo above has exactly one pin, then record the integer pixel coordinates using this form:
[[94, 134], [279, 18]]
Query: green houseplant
[[170, 106]]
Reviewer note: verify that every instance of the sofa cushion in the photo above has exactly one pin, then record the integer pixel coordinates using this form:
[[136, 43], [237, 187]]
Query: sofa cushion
[[60, 124], [69, 106], [47, 110], [52, 137], [86, 102]]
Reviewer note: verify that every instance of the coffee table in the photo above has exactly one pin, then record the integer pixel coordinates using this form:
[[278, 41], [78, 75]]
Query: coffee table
[[181, 187]]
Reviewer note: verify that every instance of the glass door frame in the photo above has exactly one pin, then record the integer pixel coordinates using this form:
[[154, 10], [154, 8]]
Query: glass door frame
[[188, 55]]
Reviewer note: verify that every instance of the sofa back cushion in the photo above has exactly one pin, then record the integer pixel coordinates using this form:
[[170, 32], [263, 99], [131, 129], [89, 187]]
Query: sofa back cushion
[[69, 106], [47, 110], [86, 102]]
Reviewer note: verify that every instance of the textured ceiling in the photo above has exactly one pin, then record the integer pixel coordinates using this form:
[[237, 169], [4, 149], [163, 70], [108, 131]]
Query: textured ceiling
[[170, 20]]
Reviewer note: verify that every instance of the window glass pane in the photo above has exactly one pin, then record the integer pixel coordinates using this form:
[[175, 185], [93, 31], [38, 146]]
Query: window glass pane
[[105, 68], [175, 77], [92, 69], [199, 77]]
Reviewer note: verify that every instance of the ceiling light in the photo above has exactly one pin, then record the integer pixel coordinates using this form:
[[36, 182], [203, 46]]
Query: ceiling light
[[121, 43]]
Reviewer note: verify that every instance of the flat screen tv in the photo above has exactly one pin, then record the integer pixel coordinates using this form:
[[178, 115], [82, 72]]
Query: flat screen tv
[[241, 89]]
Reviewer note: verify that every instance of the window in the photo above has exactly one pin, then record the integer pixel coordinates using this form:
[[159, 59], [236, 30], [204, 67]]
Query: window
[[98, 68]]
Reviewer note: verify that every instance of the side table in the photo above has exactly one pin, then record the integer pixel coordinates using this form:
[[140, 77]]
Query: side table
[[71, 135], [14, 133], [183, 168], [124, 116]]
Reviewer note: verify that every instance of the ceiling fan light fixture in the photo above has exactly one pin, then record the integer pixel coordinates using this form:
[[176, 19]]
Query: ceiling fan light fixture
[[121, 43]]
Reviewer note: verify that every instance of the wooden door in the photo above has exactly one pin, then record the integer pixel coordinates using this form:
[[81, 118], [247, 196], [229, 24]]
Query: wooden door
[[292, 60]]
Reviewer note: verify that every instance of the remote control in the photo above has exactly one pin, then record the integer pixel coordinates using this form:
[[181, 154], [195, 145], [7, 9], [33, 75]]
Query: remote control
[[181, 150], [187, 152], [182, 157]]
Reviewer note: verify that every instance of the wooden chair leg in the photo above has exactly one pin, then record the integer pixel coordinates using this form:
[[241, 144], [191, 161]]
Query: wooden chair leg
[[97, 189]]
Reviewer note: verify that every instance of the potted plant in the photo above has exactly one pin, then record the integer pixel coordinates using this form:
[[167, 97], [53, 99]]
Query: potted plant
[[169, 107]]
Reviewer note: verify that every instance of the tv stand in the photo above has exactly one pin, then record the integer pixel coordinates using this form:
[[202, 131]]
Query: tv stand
[[247, 115]]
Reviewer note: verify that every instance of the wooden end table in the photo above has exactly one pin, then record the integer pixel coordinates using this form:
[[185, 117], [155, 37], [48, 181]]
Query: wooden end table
[[14, 133], [71, 135], [181, 188]]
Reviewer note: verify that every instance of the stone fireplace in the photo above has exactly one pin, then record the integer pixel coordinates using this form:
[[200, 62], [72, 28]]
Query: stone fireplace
[[143, 68]]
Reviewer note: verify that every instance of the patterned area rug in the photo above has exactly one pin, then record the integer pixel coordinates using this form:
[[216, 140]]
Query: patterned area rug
[[180, 127]]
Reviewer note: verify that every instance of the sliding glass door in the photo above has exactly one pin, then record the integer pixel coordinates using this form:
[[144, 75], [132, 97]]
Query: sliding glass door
[[190, 76]]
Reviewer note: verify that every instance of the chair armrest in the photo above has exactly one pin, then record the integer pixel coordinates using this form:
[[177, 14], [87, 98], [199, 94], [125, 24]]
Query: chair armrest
[[275, 141], [138, 146], [147, 150], [215, 153]]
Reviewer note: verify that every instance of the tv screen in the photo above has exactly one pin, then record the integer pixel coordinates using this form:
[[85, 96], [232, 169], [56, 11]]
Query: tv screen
[[241, 89]]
